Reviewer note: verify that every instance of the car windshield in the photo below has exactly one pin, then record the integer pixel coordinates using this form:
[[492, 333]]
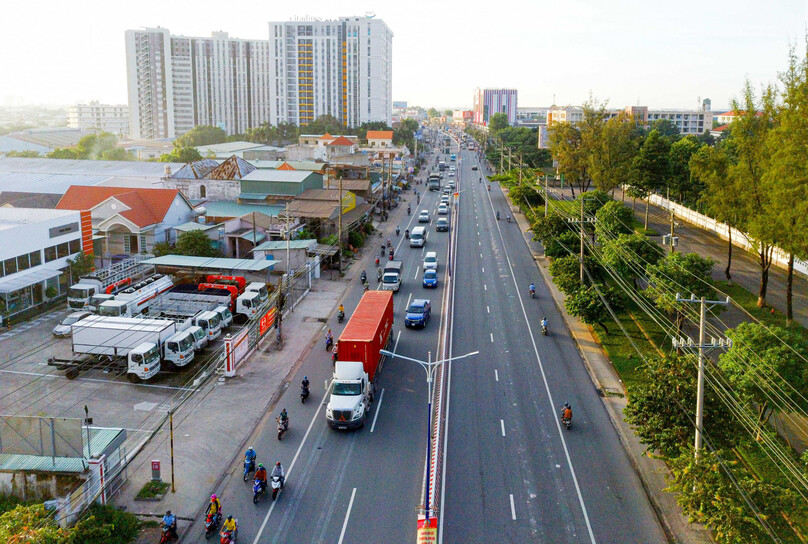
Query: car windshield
[[431, 274], [430, 259], [349, 389], [416, 309]]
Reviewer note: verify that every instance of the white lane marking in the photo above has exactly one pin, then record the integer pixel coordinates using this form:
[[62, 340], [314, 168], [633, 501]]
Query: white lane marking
[[485, 287], [483, 270], [409, 298], [502, 426], [379, 405], [481, 255], [546, 386], [289, 471], [492, 336], [513, 510], [496, 374], [488, 309], [348, 515], [417, 268]]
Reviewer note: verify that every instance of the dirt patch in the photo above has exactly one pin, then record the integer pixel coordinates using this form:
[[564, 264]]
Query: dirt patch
[[315, 319]]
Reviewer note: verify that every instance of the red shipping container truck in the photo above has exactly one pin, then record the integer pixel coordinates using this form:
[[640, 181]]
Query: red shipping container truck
[[368, 331]]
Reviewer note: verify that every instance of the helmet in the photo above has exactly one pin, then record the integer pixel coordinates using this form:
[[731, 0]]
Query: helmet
[[260, 465], [305, 377], [566, 405], [168, 512], [213, 497], [230, 517], [278, 464]]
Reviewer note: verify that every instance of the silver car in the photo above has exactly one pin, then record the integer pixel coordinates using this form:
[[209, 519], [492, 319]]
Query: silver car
[[63, 329]]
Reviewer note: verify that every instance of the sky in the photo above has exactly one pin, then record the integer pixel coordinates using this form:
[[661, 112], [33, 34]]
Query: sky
[[651, 52]]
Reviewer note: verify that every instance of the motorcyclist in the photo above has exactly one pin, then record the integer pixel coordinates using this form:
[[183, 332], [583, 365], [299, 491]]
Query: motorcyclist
[[379, 273], [278, 471], [509, 218], [544, 323], [305, 382], [229, 525], [214, 507], [532, 288], [409, 209], [261, 476], [284, 417], [497, 215], [329, 338], [334, 354], [170, 522], [407, 233], [389, 243], [249, 456], [489, 186], [383, 248], [398, 230], [566, 412], [363, 277]]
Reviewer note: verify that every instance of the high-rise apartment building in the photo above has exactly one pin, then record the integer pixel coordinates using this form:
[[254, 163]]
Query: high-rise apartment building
[[112, 118], [339, 67], [487, 102], [176, 83]]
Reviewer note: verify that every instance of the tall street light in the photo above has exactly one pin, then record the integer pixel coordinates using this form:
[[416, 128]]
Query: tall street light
[[429, 367]]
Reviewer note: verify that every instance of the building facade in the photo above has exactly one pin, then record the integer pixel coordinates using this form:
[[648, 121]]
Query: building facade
[[687, 122], [487, 102], [176, 83], [112, 118], [339, 67]]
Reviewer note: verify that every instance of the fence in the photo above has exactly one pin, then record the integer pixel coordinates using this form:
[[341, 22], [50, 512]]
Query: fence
[[739, 238]]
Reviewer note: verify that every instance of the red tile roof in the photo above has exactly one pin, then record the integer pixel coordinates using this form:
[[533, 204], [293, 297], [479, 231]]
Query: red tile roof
[[721, 128], [147, 206], [286, 166], [342, 140], [326, 136], [380, 135]]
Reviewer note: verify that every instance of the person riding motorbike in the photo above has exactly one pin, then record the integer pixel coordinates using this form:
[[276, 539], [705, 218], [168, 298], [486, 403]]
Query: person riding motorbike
[[407, 233], [261, 476], [509, 218], [329, 339], [409, 209], [334, 354], [305, 383], [284, 417], [229, 526], [489, 186], [566, 412], [544, 325], [383, 248], [389, 243], [341, 309], [497, 215], [532, 288], [249, 456], [398, 230], [170, 523], [278, 471], [379, 273], [214, 507], [363, 277]]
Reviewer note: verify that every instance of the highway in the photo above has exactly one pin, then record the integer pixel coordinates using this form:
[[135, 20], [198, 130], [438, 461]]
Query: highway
[[512, 473], [355, 486]]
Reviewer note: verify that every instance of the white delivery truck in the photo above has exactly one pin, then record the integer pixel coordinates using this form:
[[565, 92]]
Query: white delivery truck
[[136, 344], [107, 281], [391, 278], [136, 299], [203, 313], [258, 287]]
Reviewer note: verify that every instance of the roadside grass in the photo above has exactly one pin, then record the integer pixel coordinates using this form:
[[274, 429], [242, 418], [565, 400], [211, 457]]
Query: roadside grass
[[767, 315], [152, 490]]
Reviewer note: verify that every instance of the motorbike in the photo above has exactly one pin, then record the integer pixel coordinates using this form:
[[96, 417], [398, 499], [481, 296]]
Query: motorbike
[[409, 210], [258, 490], [283, 426], [379, 274], [167, 536], [228, 537], [211, 524], [333, 357], [389, 243], [497, 216], [249, 468], [377, 261], [509, 219], [383, 248], [489, 187], [566, 422], [391, 256], [544, 330], [304, 393], [532, 293], [329, 343], [340, 316], [406, 235], [363, 277], [366, 285], [398, 231], [276, 486]]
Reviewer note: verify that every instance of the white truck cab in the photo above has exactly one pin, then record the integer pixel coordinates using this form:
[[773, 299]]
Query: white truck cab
[[351, 393], [200, 337], [258, 287], [225, 317], [179, 349], [210, 323]]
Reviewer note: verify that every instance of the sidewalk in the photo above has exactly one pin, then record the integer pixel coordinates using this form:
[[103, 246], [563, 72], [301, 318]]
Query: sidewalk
[[220, 417], [652, 472]]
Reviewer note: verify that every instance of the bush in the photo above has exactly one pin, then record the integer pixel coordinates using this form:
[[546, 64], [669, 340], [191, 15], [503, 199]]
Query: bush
[[562, 245], [105, 524], [356, 238]]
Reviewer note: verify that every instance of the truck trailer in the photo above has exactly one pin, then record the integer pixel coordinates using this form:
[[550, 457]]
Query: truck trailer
[[136, 299], [358, 356]]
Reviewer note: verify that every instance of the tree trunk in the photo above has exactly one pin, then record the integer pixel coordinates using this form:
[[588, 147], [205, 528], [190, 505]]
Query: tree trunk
[[623, 193], [729, 256], [647, 207], [762, 419], [634, 204], [604, 327], [765, 261], [789, 286]]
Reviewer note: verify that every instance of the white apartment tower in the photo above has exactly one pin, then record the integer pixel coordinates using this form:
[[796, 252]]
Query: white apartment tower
[[337, 67], [112, 118], [176, 83]]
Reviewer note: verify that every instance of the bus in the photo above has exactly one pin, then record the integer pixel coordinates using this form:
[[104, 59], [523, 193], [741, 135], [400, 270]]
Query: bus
[[453, 157]]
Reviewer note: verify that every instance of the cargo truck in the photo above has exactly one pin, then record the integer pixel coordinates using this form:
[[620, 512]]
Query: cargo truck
[[136, 299], [352, 387], [107, 281], [434, 181], [201, 312], [135, 344], [244, 306]]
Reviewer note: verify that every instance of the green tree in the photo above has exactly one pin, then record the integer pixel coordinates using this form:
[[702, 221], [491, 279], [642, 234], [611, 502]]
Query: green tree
[[181, 154], [80, 265], [31, 524], [23, 154], [651, 167], [613, 219], [678, 273], [93, 146], [566, 272], [326, 124], [666, 129], [432, 112], [201, 135], [196, 243], [629, 254], [447, 113], [587, 305], [63, 153], [661, 408], [497, 122], [575, 146], [405, 133], [681, 183], [615, 149], [555, 235], [722, 195], [161, 248], [117, 154], [767, 368]]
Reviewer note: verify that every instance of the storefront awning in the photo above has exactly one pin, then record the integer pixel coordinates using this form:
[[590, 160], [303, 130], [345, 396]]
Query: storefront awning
[[21, 280]]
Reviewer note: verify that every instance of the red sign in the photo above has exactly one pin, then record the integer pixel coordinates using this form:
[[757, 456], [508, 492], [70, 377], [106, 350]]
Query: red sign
[[266, 322], [155, 465]]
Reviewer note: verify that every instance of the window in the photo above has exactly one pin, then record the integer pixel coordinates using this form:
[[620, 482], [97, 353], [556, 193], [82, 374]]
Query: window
[[23, 263], [62, 250], [11, 265], [50, 254], [203, 192], [75, 246]]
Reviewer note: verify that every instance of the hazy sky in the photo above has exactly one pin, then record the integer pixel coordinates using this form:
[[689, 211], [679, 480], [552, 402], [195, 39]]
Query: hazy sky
[[651, 52]]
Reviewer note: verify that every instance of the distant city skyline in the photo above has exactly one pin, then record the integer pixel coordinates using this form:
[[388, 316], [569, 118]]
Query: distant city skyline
[[624, 53]]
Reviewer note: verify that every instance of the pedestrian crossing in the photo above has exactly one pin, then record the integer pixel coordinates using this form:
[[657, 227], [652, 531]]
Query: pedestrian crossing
[[29, 324]]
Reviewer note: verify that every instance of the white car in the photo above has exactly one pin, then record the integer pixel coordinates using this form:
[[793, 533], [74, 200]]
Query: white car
[[63, 329], [423, 217], [431, 261], [444, 199], [443, 209]]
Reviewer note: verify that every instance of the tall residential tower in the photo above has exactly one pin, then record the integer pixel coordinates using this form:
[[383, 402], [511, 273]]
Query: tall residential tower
[[176, 83], [339, 67]]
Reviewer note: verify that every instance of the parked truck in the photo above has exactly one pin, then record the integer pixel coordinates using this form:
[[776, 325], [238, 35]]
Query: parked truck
[[200, 313], [107, 281], [136, 344], [434, 181], [136, 299], [244, 306], [352, 387]]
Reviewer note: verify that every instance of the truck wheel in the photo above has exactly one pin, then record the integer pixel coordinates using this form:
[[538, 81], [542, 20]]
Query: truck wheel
[[132, 377], [72, 374]]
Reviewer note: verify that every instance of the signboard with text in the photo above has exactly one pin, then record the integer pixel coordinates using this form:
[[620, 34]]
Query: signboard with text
[[266, 322]]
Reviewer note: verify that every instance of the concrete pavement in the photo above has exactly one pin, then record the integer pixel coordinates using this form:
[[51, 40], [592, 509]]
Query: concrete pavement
[[651, 471]]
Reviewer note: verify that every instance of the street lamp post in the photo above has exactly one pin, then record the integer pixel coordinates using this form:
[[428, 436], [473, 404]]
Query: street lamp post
[[429, 367]]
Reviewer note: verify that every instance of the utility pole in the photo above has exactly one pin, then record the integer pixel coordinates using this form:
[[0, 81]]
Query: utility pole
[[703, 349], [339, 226], [581, 222], [546, 189], [520, 168]]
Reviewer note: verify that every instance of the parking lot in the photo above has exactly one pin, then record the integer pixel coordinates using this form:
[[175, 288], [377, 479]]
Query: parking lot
[[29, 386]]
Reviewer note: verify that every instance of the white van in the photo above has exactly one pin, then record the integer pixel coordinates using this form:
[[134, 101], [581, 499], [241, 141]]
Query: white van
[[431, 260], [418, 237]]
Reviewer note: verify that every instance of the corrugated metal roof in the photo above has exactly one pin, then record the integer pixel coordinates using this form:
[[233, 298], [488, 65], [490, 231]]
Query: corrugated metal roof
[[100, 440], [290, 176], [273, 245], [250, 237], [187, 227], [234, 209], [186, 261], [75, 167]]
